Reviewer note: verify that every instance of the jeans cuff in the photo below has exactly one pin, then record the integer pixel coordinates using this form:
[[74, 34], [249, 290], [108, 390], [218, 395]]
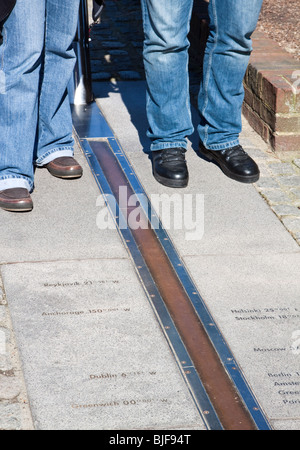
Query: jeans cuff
[[53, 154], [223, 146], [15, 182], [164, 145]]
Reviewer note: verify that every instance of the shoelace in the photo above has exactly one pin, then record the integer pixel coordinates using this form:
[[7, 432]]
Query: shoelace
[[236, 152], [173, 155]]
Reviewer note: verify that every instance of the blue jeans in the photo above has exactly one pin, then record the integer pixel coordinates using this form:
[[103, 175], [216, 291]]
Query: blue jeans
[[166, 26], [36, 64]]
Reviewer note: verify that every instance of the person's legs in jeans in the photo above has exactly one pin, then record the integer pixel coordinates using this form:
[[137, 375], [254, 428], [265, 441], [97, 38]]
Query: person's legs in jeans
[[37, 61], [221, 92], [20, 63], [225, 62], [166, 26], [55, 120]]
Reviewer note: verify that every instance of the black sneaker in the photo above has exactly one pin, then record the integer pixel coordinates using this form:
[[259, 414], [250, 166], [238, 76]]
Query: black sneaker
[[169, 167], [234, 162]]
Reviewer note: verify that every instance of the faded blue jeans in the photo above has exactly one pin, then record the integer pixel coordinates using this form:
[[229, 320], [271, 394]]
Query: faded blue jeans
[[36, 64], [166, 26]]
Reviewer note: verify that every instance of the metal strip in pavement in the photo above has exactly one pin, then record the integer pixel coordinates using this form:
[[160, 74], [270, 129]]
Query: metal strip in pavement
[[220, 382]]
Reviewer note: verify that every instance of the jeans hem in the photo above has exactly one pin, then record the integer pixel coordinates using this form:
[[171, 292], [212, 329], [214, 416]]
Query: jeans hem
[[53, 154], [222, 146], [165, 145], [11, 182]]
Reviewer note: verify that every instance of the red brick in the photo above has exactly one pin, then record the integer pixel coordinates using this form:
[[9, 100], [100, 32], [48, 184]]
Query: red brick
[[248, 96], [285, 142], [279, 141], [275, 88], [289, 123], [257, 123], [262, 43], [270, 60], [278, 93]]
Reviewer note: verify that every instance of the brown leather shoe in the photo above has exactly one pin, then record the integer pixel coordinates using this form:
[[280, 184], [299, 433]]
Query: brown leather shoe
[[65, 167], [16, 200]]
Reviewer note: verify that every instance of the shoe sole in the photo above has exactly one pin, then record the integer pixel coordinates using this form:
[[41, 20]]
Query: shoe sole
[[170, 183], [242, 179], [15, 209], [66, 177]]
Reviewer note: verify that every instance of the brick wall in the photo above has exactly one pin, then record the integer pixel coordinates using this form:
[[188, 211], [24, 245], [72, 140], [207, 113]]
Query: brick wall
[[272, 96]]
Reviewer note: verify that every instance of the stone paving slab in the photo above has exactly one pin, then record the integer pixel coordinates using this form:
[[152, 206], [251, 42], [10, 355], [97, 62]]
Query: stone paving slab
[[62, 225], [256, 304], [93, 353], [15, 412]]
